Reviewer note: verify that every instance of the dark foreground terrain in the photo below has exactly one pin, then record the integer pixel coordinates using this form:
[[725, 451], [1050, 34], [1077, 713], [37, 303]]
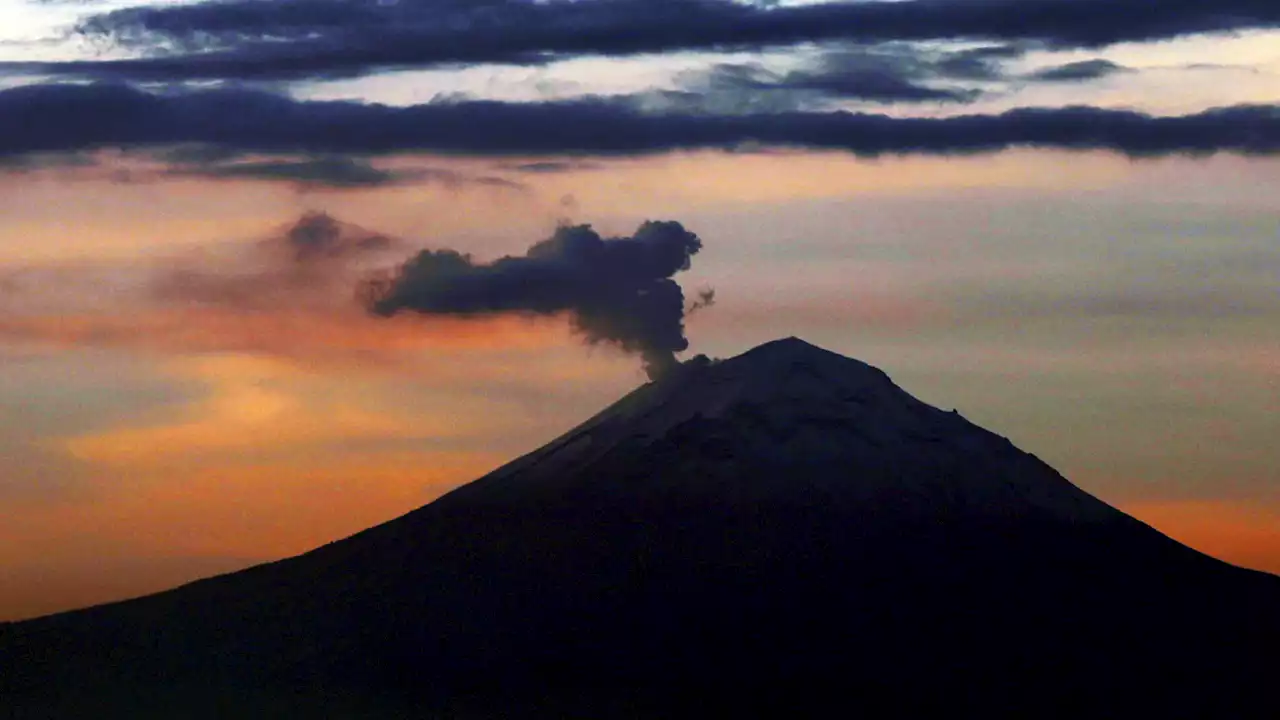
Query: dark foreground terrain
[[782, 534]]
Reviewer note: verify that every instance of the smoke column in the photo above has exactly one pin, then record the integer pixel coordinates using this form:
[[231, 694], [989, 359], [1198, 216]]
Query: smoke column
[[617, 290]]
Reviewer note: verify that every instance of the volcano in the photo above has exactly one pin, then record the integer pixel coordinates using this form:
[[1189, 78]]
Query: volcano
[[784, 533]]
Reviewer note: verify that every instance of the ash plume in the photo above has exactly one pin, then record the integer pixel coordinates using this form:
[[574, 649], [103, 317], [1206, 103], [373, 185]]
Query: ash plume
[[310, 263], [617, 290]]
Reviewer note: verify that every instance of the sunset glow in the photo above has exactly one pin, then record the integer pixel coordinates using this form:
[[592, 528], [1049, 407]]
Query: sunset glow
[[180, 396]]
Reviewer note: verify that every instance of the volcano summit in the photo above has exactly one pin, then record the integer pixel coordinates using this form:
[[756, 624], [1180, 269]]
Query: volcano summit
[[784, 533]]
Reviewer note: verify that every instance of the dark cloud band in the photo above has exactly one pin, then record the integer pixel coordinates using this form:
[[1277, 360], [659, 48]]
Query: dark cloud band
[[52, 118], [252, 39]]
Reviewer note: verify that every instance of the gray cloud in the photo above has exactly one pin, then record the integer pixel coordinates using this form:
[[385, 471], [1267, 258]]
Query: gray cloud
[[311, 172], [23, 164], [313, 262], [333, 172], [979, 63], [1081, 71], [888, 73], [52, 118], [616, 290], [551, 167], [254, 40]]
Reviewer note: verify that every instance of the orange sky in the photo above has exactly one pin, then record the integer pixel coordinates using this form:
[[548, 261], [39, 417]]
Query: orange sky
[[1118, 319]]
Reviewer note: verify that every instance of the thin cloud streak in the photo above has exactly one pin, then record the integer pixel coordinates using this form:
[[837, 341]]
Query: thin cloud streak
[[303, 172], [1081, 71]]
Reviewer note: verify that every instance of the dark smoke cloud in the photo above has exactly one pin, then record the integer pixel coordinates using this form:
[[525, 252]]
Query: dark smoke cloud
[[617, 290], [295, 39], [63, 118]]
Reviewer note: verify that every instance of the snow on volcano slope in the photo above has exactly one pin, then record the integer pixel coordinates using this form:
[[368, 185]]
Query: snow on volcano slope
[[816, 421]]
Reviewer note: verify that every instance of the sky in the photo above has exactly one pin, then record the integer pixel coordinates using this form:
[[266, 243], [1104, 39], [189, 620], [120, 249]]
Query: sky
[[274, 271]]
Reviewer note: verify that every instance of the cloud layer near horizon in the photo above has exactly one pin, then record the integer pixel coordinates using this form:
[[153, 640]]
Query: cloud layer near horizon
[[48, 119]]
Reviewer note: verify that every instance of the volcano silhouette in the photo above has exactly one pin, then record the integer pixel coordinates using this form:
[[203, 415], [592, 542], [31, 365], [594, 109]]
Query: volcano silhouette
[[782, 534]]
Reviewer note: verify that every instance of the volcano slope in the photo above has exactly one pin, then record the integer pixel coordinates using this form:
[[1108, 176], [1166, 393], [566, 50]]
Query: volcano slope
[[784, 533]]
